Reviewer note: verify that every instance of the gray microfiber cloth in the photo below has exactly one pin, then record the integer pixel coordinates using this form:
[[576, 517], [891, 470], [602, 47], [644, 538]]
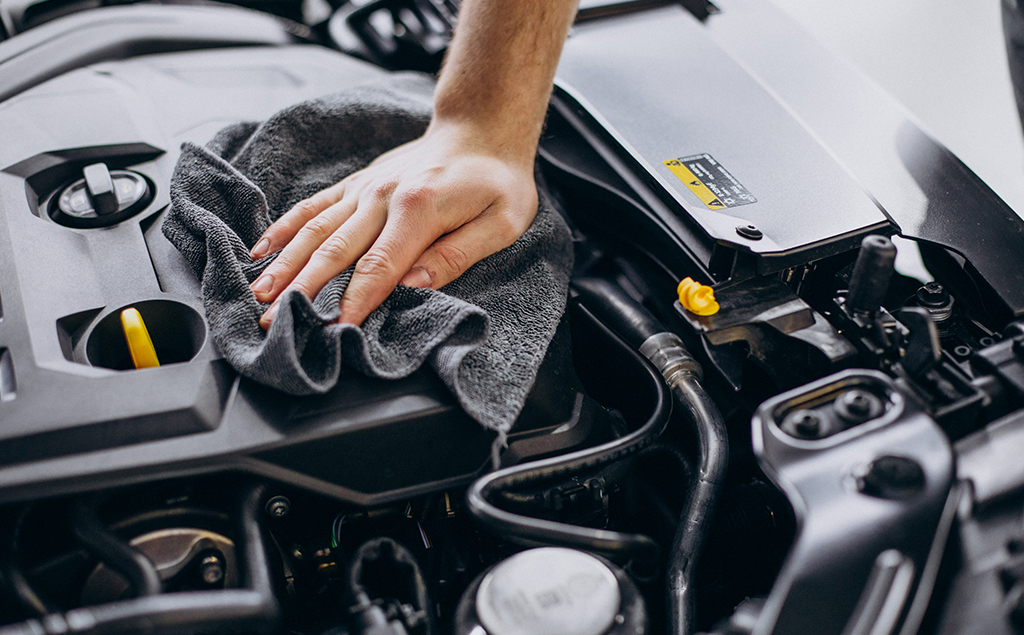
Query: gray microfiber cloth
[[485, 334]]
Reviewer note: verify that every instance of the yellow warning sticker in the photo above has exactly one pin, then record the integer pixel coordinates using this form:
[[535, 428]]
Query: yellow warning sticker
[[710, 182]]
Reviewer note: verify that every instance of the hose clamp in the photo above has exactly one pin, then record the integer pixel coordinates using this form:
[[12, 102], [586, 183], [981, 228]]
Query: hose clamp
[[669, 355]]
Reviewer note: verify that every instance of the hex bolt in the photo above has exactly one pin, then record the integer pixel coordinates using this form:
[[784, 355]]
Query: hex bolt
[[211, 569], [932, 294], [278, 506], [857, 406], [936, 300], [804, 424]]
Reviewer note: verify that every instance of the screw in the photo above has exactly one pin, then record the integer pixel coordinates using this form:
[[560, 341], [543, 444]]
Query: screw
[[857, 406], [936, 300], [749, 232], [962, 350], [804, 424], [932, 294], [211, 569], [278, 506]]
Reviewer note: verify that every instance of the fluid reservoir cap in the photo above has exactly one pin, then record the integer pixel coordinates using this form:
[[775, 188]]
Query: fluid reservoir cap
[[697, 298], [102, 197], [549, 591], [99, 186]]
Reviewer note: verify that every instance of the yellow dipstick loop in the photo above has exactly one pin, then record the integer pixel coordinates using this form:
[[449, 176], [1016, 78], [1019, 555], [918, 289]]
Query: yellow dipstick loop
[[139, 343], [696, 297]]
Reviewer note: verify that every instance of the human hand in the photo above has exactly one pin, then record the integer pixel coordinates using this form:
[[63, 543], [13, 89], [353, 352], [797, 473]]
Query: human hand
[[421, 214]]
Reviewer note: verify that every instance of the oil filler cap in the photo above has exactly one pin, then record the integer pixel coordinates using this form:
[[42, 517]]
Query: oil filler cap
[[102, 197], [549, 591]]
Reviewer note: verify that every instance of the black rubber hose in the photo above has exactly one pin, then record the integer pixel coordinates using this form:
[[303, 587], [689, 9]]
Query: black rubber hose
[[253, 609], [112, 551], [682, 374], [647, 498], [613, 306], [29, 599], [700, 503], [641, 550]]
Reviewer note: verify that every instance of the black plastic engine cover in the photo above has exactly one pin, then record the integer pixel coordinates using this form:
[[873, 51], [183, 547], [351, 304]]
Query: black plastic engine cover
[[71, 416]]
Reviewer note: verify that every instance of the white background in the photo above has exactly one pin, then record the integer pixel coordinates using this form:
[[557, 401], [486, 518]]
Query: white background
[[943, 59]]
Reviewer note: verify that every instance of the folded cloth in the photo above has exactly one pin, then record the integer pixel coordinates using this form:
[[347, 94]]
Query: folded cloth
[[485, 334]]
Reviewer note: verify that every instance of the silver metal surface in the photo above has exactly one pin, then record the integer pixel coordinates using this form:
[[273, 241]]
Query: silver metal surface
[[688, 97]]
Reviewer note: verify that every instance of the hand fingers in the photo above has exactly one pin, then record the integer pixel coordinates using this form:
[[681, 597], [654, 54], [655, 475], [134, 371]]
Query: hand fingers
[[334, 256], [286, 227], [293, 258], [403, 239], [452, 254]]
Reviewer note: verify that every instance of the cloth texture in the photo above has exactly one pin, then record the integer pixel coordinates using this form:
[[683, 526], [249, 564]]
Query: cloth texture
[[485, 334]]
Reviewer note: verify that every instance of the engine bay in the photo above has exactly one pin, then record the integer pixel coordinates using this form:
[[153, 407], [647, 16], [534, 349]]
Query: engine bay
[[832, 447]]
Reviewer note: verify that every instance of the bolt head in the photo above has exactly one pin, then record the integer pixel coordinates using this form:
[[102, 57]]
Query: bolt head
[[804, 424], [932, 294], [278, 506], [857, 406], [212, 570]]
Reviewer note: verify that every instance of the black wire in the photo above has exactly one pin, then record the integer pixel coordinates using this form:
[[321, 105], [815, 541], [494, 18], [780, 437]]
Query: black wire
[[638, 326], [641, 550], [112, 551], [253, 609]]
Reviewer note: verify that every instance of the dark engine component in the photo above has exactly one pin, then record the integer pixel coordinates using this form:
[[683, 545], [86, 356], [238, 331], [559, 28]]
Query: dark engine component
[[832, 446], [253, 606], [65, 286]]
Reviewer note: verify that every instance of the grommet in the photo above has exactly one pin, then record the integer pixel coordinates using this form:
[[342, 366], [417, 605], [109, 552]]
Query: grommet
[[749, 232]]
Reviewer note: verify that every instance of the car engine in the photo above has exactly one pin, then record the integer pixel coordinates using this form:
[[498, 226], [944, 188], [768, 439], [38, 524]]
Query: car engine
[[787, 395]]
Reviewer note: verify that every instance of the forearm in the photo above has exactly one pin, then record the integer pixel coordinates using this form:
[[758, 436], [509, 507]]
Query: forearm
[[426, 211], [498, 73]]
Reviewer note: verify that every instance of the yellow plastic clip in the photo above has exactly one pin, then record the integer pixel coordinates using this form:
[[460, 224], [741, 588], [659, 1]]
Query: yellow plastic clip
[[696, 297], [139, 343]]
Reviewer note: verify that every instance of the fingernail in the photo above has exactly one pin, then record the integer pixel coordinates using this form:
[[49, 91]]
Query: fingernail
[[417, 277], [263, 284], [261, 249]]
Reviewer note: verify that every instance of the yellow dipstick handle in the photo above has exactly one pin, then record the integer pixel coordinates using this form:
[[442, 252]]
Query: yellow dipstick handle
[[139, 344], [696, 297]]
